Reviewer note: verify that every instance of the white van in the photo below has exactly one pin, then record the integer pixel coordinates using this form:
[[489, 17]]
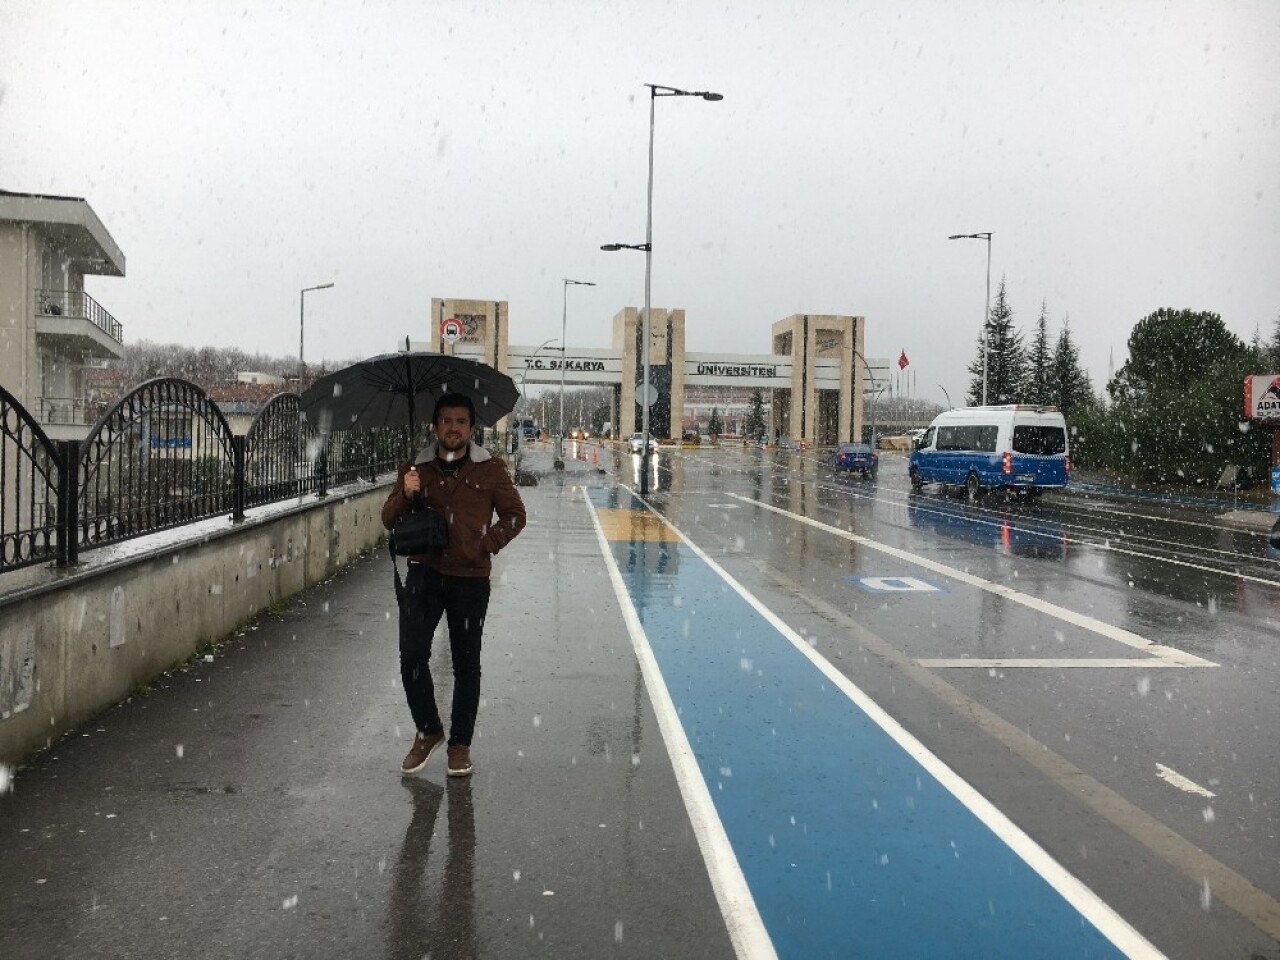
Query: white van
[[1016, 446]]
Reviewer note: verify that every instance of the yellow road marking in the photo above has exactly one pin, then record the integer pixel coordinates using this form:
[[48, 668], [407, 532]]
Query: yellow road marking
[[634, 525]]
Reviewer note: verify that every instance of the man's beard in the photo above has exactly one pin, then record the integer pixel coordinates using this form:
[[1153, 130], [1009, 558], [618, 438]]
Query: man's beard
[[453, 447]]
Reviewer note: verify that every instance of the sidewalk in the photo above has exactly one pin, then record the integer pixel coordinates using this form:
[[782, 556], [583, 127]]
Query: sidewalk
[[251, 805], [1254, 498], [1253, 509]]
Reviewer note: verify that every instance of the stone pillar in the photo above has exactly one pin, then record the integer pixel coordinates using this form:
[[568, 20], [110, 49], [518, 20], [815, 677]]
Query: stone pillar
[[808, 338], [789, 338], [626, 327], [857, 382], [675, 350], [485, 325]]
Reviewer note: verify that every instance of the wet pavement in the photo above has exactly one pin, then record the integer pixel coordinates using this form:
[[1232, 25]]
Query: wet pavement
[[252, 806], [782, 713]]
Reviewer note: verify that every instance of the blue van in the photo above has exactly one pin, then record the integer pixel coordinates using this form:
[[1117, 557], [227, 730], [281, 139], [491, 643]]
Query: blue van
[[1018, 447]]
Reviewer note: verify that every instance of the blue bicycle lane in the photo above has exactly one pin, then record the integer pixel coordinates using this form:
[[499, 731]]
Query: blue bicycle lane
[[851, 838]]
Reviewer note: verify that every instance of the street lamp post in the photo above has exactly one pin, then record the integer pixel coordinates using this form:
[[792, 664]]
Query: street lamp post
[[875, 395], [524, 398], [525, 372], [986, 316], [564, 346], [655, 91], [947, 395], [302, 320]]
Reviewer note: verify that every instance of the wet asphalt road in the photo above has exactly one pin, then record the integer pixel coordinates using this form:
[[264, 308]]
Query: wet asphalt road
[[1163, 855], [250, 806]]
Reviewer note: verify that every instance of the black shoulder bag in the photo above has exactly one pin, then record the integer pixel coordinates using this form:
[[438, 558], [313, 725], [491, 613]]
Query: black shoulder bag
[[422, 530]]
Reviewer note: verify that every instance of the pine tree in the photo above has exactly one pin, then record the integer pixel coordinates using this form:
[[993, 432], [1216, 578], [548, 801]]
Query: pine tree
[[1006, 357], [1072, 386], [1041, 382], [714, 426], [974, 397], [1271, 349]]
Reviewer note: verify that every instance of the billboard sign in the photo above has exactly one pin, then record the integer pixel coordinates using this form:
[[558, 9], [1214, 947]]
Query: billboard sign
[[1262, 397]]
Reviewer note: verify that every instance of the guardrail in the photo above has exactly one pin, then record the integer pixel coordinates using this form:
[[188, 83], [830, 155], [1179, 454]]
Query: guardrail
[[164, 456]]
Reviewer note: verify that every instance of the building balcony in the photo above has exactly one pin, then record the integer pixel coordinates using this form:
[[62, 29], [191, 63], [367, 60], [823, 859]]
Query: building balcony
[[79, 321], [67, 418], [68, 411]]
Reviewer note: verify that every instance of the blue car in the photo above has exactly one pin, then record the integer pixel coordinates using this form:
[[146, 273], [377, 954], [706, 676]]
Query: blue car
[[856, 456]]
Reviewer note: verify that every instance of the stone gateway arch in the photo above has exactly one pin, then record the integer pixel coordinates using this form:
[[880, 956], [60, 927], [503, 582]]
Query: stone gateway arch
[[814, 376]]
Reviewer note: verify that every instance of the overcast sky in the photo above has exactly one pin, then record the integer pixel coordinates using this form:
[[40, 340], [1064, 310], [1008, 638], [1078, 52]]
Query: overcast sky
[[1125, 155]]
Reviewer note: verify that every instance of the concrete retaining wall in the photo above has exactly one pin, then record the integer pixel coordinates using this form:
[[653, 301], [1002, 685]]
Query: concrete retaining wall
[[72, 647]]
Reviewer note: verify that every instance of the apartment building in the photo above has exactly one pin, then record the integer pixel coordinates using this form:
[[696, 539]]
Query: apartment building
[[51, 330]]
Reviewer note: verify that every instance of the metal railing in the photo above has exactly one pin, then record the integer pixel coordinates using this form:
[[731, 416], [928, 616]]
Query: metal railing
[[30, 482], [164, 456], [77, 303], [280, 453], [67, 410]]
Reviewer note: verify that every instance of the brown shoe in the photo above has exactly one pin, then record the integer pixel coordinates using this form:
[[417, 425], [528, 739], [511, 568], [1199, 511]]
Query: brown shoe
[[424, 744], [459, 761]]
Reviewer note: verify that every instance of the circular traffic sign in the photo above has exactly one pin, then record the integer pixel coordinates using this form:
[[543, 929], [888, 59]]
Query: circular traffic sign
[[451, 330], [646, 397]]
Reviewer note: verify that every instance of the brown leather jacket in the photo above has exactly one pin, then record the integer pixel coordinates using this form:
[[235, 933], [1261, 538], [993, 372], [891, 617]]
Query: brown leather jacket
[[469, 500]]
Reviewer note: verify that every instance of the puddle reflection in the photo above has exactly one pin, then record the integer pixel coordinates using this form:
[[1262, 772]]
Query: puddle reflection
[[426, 917]]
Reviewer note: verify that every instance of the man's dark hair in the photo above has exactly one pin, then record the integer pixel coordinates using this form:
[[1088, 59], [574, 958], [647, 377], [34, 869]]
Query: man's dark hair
[[453, 400]]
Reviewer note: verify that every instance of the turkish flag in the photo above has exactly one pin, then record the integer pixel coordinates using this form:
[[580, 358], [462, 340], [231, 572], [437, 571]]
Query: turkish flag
[[903, 362]]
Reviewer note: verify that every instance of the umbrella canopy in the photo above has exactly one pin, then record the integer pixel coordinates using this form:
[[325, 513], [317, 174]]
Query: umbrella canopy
[[401, 389]]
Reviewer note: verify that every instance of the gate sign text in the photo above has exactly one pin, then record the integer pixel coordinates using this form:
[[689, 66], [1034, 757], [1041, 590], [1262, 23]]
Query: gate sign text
[[737, 369], [587, 366]]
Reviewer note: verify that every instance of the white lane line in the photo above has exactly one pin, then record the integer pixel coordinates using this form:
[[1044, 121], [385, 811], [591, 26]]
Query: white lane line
[[1113, 512], [1087, 903], [1070, 528], [1235, 574], [1172, 776], [742, 918], [1119, 634], [996, 520], [1144, 663]]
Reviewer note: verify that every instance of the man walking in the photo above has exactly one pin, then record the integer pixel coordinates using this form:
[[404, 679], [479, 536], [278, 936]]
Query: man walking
[[470, 487]]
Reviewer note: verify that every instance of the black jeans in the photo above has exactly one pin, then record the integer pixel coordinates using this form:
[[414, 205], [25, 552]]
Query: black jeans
[[427, 596]]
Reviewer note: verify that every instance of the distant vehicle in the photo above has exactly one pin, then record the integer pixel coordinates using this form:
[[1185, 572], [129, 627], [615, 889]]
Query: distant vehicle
[[1017, 447], [856, 456], [528, 430], [635, 443]]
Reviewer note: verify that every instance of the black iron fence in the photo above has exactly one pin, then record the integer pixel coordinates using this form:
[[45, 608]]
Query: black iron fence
[[164, 456]]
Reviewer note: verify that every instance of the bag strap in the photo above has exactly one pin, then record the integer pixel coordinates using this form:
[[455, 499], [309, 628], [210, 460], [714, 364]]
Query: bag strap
[[391, 548]]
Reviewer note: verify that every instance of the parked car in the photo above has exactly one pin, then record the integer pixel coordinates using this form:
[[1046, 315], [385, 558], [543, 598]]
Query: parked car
[[1016, 446], [856, 456], [635, 443]]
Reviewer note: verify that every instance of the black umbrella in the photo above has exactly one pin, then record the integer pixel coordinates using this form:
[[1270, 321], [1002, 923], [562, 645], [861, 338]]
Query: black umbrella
[[401, 389]]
